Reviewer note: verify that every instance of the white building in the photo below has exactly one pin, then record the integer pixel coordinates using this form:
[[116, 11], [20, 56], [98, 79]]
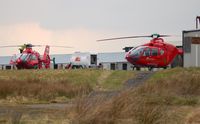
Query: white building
[[5, 62], [83, 59], [113, 61], [109, 61], [61, 60]]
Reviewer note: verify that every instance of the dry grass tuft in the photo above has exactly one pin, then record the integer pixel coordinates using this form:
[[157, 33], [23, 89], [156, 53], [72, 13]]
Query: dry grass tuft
[[161, 100], [54, 85], [41, 90], [121, 109], [193, 117]]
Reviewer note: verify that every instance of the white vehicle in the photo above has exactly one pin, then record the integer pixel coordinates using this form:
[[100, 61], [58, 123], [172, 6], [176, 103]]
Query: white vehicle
[[83, 60]]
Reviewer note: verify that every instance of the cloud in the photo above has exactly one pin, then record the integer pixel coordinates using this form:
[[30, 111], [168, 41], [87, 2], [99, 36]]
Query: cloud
[[23, 33], [80, 38]]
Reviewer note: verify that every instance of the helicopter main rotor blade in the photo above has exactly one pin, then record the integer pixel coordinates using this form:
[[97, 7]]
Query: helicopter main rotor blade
[[37, 45], [52, 46], [10, 46], [61, 46], [166, 35], [30, 45], [118, 38], [152, 36]]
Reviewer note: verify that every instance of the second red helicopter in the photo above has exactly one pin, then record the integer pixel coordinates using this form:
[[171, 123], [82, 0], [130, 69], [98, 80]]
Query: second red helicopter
[[31, 59]]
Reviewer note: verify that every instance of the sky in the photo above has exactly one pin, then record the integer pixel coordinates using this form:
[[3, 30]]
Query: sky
[[79, 23]]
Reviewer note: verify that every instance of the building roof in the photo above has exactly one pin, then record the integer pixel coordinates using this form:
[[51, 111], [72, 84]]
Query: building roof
[[111, 57], [188, 31]]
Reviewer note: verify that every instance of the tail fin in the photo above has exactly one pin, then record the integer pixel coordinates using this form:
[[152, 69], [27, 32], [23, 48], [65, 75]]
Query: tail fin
[[46, 52], [46, 58]]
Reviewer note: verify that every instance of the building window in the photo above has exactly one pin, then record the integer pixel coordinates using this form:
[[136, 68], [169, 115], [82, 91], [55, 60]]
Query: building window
[[124, 66], [8, 67], [112, 66], [93, 59], [187, 44], [55, 66]]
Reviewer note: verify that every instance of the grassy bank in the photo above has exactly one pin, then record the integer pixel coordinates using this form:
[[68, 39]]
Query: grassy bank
[[170, 97], [37, 86]]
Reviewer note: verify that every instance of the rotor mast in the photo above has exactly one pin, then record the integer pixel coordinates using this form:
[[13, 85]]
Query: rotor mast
[[197, 21]]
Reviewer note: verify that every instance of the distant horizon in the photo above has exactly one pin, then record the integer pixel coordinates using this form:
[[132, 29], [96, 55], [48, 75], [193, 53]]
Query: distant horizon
[[72, 53]]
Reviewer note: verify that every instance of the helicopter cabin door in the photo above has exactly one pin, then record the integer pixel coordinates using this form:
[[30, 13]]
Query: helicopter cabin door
[[163, 58], [151, 56], [155, 57], [34, 61], [145, 56]]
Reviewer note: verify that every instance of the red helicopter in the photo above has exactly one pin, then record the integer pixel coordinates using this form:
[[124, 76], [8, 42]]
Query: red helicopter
[[30, 59], [155, 54]]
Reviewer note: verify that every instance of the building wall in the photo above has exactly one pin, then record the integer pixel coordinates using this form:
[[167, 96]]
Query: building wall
[[191, 57], [59, 65], [118, 65], [130, 66], [7, 67]]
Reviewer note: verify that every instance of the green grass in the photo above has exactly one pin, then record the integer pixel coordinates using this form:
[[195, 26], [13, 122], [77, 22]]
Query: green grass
[[166, 73], [115, 79], [32, 86], [170, 72]]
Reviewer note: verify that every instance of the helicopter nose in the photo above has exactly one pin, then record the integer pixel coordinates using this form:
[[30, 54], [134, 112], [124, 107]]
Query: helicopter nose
[[127, 54], [131, 58], [18, 60], [128, 57]]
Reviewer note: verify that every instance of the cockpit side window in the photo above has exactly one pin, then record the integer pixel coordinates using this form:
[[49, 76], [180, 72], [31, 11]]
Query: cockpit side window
[[154, 51], [24, 56], [137, 51], [33, 57], [162, 51], [147, 52]]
